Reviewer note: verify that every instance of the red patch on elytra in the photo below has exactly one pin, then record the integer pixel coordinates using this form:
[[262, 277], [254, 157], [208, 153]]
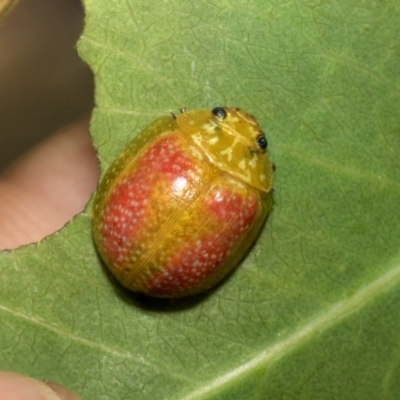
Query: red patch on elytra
[[233, 208], [195, 262], [202, 256], [127, 208]]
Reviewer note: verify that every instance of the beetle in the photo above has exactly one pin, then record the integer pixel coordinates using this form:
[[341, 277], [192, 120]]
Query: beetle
[[184, 202]]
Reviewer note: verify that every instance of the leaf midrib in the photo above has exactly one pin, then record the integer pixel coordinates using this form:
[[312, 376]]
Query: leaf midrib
[[316, 326]]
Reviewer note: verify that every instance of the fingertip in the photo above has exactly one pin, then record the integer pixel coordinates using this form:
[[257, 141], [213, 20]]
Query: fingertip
[[44, 189], [14, 386]]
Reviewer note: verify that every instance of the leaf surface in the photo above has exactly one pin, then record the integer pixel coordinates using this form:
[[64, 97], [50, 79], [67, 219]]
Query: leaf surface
[[314, 310]]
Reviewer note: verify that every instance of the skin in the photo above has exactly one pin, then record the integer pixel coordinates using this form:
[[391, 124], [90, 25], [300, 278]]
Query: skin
[[18, 387], [51, 183], [46, 187]]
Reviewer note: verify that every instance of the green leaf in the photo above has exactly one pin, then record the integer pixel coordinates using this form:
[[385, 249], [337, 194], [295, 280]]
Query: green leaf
[[314, 310]]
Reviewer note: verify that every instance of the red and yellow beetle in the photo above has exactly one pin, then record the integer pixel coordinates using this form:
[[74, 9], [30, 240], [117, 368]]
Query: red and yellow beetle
[[184, 202]]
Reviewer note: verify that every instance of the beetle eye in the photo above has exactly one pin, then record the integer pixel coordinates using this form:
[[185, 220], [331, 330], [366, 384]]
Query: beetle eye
[[262, 142], [219, 112]]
